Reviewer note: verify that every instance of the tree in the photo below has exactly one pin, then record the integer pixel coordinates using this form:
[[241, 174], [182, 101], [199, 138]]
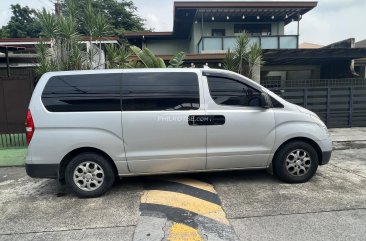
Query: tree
[[120, 15], [245, 58], [22, 23], [66, 53]]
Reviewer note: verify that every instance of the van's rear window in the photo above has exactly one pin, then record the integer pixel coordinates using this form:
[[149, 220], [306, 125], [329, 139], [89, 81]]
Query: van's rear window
[[160, 91], [78, 93]]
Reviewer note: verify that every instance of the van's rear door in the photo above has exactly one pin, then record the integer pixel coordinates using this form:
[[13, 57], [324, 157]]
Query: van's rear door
[[158, 134]]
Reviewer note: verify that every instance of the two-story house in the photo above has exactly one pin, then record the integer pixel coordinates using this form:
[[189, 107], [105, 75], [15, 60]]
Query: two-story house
[[206, 30]]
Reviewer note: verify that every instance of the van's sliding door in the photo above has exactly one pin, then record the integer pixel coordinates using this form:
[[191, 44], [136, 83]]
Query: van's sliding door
[[158, 134]]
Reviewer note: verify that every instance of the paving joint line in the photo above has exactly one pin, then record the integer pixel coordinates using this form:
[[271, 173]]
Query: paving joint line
[[67, 230], [304, 213], [346, 170]]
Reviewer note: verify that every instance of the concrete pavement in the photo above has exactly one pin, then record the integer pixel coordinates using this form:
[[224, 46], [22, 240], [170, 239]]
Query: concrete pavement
[[331, 206]]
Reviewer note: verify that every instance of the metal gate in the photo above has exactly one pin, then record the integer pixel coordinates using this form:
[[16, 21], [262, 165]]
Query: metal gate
[[338, 102], [15, 93]]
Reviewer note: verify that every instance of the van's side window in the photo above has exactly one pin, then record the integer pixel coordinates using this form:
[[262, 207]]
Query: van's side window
[[160, 91], [226, 91], [79, 93]]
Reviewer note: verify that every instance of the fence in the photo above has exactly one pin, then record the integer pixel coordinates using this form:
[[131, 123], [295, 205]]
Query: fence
[[12, 140], [15, 93], [338, 102]]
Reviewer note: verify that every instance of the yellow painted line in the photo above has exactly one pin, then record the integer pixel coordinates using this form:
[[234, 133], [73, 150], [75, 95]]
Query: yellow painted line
[[183, 201], [182, 232], [193, 183]]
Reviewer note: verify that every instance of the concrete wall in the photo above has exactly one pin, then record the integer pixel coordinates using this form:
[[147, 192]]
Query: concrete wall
[[167, 46]]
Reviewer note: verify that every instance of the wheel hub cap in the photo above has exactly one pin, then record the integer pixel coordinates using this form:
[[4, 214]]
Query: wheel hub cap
[[298, 162], [88, 176]]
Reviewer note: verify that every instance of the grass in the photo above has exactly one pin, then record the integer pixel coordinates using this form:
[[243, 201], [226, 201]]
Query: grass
[[12, 157]]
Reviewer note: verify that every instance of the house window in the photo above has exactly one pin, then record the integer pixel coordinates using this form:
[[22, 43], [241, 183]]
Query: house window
[[253, 29], [218, 32]]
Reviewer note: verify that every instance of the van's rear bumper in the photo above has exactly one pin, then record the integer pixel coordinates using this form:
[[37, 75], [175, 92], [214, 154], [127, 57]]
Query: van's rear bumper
[[42, 170]]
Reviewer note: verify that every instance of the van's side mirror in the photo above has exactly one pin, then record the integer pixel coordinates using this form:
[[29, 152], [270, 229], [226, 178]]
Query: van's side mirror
[[265, 101]]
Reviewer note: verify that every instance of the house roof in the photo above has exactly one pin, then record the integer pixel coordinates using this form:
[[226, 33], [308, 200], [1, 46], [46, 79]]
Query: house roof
[[288, 56], [245, 4], [361, 44], [30, 41], [310, 46], [311, 56], [187, 12]]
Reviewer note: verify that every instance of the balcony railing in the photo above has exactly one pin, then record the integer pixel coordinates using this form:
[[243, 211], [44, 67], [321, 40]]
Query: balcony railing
[[222, 44]]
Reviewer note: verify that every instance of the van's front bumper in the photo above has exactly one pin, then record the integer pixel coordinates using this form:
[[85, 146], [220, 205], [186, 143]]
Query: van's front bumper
[[42, 170], [325, 157], [326, 147]]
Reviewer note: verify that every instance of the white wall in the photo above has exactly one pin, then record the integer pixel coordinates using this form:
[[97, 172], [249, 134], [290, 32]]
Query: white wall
[[167, 46]]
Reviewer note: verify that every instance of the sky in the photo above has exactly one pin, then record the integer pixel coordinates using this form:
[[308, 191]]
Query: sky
[[330, 21]]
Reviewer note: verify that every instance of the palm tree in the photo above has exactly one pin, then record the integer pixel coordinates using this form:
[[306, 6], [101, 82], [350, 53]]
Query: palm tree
[[245, 58], [118, 57]]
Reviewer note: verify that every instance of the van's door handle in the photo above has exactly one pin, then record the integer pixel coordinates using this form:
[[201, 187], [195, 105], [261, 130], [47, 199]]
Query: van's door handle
[[206, 120]]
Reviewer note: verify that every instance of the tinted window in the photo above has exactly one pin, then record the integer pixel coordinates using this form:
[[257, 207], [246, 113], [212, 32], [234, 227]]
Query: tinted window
[[160, 91], [92, 92], [231, 92]]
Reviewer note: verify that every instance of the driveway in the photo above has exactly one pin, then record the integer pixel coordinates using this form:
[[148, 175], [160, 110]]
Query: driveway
[[244, 205]]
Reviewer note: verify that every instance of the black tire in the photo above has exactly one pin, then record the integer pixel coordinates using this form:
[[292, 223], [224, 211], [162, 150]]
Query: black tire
[[101, 165], [288, 170]]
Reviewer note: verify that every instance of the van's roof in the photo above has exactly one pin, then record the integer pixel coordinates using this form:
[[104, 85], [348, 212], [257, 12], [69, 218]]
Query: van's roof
[[147, 70], [109, 71]]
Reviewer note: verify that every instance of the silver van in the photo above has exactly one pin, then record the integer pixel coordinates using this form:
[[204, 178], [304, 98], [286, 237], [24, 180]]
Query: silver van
[[87, 128]]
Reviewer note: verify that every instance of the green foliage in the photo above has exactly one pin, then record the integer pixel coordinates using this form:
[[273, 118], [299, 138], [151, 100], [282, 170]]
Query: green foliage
[[120, 14], [177, 60], [64, 33], [4, 32], [241, 51], [148, 58], [22, 23], [244, 58], [254, 58], [48, 23], [121, 57], [230, 62], [44, 59], [118, 57]]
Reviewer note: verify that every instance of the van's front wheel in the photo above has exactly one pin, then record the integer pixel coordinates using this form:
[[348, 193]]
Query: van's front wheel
[[89, 175], [296, 162]]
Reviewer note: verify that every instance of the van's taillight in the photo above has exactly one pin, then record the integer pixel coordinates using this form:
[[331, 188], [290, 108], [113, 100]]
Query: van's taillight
[[29, 126]]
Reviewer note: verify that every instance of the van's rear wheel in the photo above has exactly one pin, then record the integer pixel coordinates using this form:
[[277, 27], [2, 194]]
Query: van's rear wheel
[[296, 162], [89, 175]]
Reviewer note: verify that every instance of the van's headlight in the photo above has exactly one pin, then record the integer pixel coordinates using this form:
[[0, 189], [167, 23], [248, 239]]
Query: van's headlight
[[320, 123]]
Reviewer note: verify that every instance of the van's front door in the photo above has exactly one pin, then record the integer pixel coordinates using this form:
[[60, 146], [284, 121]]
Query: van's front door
[[246, 136], [156, 107]]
